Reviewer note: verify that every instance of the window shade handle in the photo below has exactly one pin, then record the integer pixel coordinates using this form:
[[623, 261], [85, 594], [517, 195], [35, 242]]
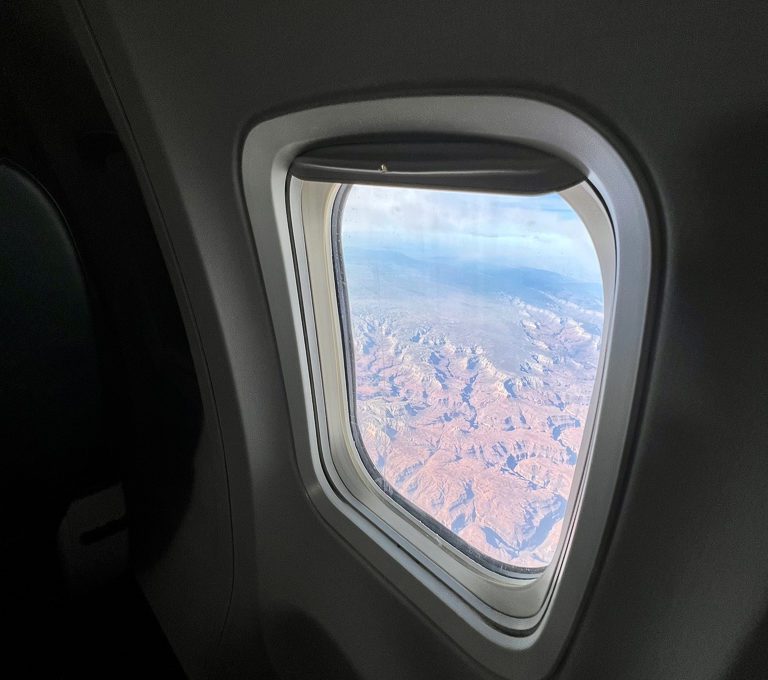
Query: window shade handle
[[473, 166]]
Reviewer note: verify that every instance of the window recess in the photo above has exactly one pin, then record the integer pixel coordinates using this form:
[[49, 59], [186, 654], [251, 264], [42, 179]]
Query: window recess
[[309, 179], [459, 291]]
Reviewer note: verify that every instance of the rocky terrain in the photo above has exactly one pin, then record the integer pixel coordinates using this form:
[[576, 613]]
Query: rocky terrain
[[472, 390]]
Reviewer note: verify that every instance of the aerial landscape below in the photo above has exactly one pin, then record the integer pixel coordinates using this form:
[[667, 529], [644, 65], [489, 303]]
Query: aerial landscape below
[[476, 324]]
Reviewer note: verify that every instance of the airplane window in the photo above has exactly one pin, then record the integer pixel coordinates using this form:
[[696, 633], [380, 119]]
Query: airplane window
[[459, 289], [472, 326]]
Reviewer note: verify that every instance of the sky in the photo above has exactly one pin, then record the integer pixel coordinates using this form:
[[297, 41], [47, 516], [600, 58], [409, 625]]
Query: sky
[[542, 232]]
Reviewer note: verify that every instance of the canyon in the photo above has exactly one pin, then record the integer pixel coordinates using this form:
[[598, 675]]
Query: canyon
[[471, 388]]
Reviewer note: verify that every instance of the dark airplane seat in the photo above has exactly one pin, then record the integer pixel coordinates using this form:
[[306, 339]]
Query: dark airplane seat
[[51, 402]]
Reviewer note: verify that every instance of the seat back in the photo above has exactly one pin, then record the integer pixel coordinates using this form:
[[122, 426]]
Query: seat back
[[51, 396]]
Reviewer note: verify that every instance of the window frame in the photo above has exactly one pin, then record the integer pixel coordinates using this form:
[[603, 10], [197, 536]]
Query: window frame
[[500, 595], [507, 644]]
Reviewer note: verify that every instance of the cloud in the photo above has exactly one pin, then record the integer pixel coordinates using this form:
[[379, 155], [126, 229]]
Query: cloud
[[531, 231]]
